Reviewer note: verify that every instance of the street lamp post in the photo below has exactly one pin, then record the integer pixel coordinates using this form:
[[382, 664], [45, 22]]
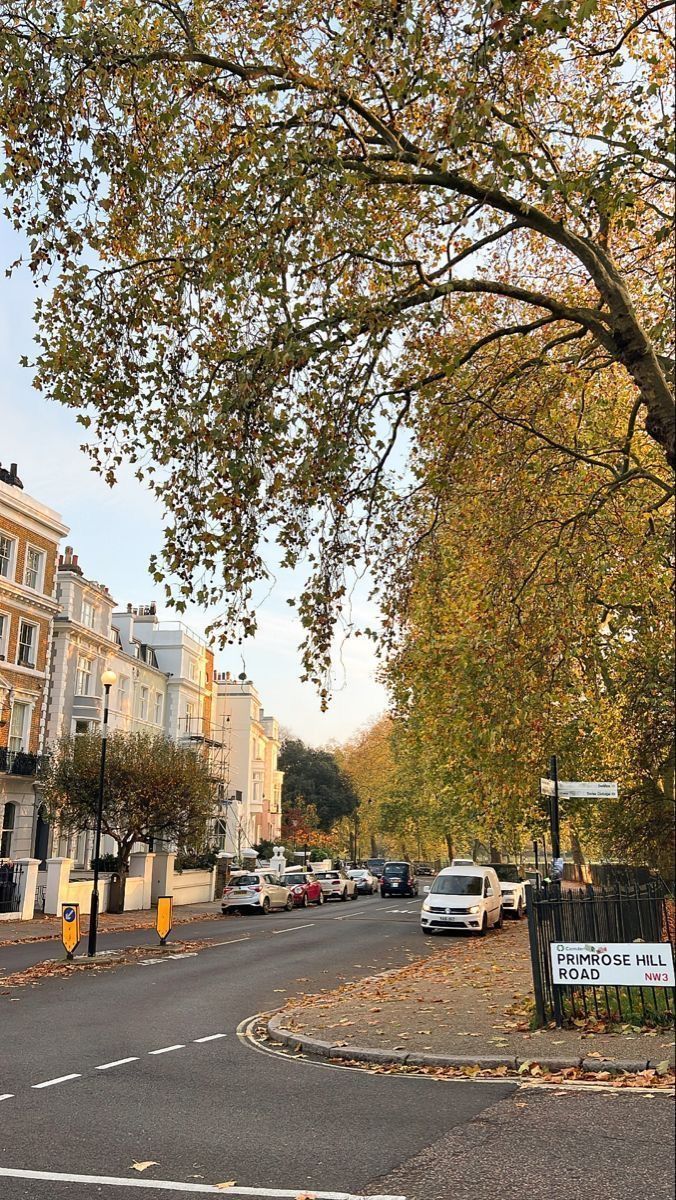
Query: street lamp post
[[107, 679]]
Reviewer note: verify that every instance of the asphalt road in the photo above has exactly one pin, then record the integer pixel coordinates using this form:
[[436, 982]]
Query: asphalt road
[[144, 1063]]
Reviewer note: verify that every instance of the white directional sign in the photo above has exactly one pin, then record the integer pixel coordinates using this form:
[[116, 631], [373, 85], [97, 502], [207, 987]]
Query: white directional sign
[[628, 964], [580, 790]]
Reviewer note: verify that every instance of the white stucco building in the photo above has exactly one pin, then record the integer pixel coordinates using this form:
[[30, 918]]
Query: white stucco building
[[252, 811]]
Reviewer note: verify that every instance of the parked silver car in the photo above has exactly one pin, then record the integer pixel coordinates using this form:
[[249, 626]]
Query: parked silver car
[[256, 891], [367, 884]]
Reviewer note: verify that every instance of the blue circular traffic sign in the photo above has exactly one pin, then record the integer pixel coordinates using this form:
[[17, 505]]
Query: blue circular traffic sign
[[69, 914]]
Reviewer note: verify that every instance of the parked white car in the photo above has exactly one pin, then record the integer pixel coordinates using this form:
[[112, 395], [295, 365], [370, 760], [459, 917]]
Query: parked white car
[[513, 889], [337, 885], [256, 891], [466, 897]]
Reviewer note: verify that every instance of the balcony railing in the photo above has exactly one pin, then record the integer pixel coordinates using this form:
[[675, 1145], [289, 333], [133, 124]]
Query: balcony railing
[[20, 762]]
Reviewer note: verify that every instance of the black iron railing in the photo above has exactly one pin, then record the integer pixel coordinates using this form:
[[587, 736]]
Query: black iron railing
[[640, 913], [20, 762], [10, 887]]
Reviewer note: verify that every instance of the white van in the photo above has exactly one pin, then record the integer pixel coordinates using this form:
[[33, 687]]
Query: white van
[[466, 897]]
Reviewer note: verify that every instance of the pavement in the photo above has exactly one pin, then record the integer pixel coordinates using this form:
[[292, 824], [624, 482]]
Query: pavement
[[468, 1001], [146, 1077], [49, 928]]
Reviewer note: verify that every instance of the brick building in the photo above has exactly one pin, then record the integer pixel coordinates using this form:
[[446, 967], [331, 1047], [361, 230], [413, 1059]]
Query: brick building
[[29, 540]]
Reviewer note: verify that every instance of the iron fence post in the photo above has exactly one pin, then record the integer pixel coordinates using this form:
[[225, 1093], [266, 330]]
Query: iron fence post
[[535, 957]]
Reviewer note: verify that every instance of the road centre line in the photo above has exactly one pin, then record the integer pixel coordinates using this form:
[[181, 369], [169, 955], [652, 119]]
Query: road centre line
[[175, 1185], [119, 1062], [59, 1079], [231, 942], [7, 1096], [211, 1037], [166, 1049]]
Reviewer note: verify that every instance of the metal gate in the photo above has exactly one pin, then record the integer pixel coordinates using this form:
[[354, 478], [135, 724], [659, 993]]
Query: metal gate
[[639, 913], [10, 887]]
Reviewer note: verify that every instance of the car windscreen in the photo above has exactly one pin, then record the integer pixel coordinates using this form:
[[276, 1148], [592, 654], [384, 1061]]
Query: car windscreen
[[291, 880], [327, 874], [458, 885], [506, 872], [396, 869], [375, 862], [244, 881], [357, 874]]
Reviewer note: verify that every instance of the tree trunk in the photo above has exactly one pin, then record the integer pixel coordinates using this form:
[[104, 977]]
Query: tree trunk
[[578, 856], [449, 846]]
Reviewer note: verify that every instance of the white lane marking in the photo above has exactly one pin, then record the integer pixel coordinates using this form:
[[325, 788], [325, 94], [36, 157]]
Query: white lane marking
[[52, 1082], [210, 1037], [231, 942], [166, 1049], [293, 928], [7, 1096], [149, 962], [174, 1185], [119, 1062]]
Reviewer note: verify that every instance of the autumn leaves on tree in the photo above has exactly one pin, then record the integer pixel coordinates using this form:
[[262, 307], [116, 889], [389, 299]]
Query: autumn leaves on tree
[[390, 293]]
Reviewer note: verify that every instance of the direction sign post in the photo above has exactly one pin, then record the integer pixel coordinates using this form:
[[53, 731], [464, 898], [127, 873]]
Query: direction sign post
[[70, 928]]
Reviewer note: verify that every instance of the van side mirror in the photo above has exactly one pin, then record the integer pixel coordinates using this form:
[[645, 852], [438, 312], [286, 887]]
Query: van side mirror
[[427, 889], [489, 890]]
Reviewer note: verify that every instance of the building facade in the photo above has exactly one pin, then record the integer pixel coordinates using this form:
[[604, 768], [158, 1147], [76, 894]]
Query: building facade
[[85, 644], [251, 811], [29, 539]]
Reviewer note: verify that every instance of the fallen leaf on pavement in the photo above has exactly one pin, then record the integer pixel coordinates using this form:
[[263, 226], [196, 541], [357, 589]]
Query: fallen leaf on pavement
[[143, 1166], [223, 1187]]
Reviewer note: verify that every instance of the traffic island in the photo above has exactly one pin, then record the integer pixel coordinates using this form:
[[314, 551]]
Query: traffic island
[[105, 960], [467, 1007]]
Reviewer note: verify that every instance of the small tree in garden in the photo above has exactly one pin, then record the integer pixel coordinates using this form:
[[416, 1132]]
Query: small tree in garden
[[153, 789]]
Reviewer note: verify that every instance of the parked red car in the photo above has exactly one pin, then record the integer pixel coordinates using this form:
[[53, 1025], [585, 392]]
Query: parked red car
[[305, 889]]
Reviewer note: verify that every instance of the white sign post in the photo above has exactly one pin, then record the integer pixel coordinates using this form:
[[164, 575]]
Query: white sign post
[[570, 789], [618, 964]]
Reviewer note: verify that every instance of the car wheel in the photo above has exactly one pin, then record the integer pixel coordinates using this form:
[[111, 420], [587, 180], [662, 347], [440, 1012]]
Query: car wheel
[[289, 903], [305, 902], [501, 920], [265, 906], [354, 895], [484, 925], [520, 913], [321, 898], [343, 894]]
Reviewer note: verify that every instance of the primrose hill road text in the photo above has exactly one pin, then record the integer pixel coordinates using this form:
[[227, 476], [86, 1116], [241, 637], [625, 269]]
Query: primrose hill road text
[[629, 964]]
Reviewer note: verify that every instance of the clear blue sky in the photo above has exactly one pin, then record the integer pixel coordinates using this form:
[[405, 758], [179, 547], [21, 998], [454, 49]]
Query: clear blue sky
[[115, 531]]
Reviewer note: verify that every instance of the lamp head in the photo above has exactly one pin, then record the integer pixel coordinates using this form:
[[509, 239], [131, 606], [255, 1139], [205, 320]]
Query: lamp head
[[108, 678]]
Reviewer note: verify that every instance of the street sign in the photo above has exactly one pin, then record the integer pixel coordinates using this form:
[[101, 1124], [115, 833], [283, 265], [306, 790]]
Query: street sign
[[70, 928], [165, 916], [570, 789], [617, 964], [587, 791]]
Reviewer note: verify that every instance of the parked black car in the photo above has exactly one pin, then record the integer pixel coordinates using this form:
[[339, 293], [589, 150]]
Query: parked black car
[[398, 880]]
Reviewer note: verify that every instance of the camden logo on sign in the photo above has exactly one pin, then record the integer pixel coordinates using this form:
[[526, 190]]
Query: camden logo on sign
[[628, 964]]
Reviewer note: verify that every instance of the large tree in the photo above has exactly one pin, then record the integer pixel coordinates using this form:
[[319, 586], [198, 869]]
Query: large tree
[[536, 615], [153, 788], [314, 786], [273, 232]]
